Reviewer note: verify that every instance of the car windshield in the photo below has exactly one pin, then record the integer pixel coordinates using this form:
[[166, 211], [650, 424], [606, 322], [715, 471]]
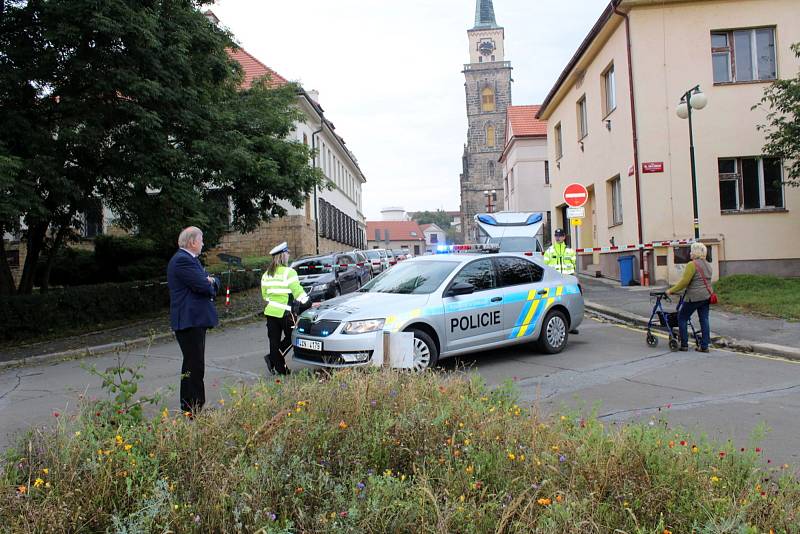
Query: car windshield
[[516, 244], [313, 266], [373, 254], [412, 277]]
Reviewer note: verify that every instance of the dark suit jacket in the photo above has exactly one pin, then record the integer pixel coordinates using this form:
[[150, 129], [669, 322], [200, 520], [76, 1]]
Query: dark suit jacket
[[191, 295]]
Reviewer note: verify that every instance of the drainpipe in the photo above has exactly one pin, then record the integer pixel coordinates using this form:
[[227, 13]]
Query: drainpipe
[[644, 276], [314, 165]]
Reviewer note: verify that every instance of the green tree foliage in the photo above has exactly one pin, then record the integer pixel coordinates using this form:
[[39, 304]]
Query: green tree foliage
[[135, 104], [782, 98], [439, 218]]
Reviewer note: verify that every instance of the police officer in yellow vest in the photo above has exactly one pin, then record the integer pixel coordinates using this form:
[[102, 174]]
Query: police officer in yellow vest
[[278, 284], [559, 256]]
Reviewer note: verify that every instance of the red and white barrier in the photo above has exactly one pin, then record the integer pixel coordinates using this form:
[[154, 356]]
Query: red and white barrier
[[228, 296], [639, 246]]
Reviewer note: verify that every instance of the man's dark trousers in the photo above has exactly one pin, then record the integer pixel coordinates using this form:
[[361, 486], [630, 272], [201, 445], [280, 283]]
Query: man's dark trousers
[[193, 346], [279, 333]]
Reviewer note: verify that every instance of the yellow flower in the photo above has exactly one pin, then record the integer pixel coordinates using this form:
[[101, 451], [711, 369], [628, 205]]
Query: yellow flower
[[128, 447], [511, 456], [387, 473], [22, 489], [165, 413], [45, 470], [714, 479], [563, 417], [342, 425], [554, 448], [38, 482], [222, 402], [521, 457], [467, 442], [118, 439], [402, 477], [461, 497], [77, 433], [544, 501], [470, 469]]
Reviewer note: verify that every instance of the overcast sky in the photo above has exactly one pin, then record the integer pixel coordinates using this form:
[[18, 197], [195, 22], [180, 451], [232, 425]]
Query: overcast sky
[[389, 76]]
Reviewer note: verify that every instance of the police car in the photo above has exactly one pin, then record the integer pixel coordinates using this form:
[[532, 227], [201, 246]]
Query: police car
[[471, 298]]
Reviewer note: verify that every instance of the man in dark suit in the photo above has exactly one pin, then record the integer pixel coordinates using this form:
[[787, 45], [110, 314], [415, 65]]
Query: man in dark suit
[[191, 313]]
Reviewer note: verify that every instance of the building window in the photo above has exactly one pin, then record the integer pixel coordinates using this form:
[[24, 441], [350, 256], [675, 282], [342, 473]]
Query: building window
[[490, 136], [750, 183], [583, 125], [487, 100], [434, 238], [377, 234], [546, 173], [490, 169], [609, 91], [743, 55], [305, 139], [559, 146], [615, 194]]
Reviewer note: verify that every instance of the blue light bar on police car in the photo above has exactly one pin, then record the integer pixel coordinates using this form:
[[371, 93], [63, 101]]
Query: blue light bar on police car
[[487, 248]]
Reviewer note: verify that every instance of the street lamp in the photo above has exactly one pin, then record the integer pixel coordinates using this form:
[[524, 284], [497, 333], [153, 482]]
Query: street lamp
[[491, 196], [694, 98]]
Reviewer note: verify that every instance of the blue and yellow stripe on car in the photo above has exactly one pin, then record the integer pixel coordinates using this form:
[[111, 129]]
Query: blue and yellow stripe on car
[[536, 305]]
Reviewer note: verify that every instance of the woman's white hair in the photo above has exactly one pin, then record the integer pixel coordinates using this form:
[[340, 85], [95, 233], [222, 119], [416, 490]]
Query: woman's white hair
[[188, 235], [698, 251]]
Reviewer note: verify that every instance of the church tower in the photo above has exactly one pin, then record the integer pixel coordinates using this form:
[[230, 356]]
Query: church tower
[[488, 92]]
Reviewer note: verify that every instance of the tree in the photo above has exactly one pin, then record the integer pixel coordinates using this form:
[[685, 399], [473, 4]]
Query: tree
[[135, 104], [439, 218], [782, 98]]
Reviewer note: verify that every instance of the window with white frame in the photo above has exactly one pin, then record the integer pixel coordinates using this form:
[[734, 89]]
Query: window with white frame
[[750, 183], [583, 124], [615, 194], [609, 90], [559, 145], [743, 55], [546, 172]]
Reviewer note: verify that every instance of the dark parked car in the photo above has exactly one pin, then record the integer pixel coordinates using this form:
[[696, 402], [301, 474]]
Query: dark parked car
[[362, 266], [325, 277]]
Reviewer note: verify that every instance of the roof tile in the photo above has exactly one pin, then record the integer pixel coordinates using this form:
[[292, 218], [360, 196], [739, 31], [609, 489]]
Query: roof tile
[[254, 69], [524, 123], [398, 230]]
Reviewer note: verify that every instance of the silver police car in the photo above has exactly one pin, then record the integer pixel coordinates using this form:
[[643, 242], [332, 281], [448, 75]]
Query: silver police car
[[454, 303]]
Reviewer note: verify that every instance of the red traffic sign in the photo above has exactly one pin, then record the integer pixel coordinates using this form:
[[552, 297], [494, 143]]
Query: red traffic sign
[[575, 195]]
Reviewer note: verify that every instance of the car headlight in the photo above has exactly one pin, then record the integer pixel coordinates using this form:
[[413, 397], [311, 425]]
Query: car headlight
[[320, 287], [363, 327]]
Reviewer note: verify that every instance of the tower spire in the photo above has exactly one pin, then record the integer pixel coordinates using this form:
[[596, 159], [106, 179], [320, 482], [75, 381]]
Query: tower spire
[[484, 14]]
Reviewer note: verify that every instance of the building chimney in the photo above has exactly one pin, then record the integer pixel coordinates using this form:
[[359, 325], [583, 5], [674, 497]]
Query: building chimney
[[314, 94]]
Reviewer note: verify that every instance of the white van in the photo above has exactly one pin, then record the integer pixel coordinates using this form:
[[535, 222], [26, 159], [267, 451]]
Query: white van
[[513, 231]]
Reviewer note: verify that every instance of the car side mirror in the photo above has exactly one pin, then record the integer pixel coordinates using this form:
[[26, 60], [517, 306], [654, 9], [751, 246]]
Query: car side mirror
[[460, 288]]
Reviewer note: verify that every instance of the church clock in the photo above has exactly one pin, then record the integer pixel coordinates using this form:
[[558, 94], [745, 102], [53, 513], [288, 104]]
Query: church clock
[[486, 47]]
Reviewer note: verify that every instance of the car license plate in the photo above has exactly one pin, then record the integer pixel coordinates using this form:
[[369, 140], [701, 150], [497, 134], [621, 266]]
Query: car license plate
[[309, 344]]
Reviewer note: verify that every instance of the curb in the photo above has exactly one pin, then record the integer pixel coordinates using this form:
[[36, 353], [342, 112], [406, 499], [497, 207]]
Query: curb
[[97, 350], [718, 341]]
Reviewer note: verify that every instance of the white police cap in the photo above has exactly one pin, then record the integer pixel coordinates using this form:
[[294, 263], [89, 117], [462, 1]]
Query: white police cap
[[283, 247]]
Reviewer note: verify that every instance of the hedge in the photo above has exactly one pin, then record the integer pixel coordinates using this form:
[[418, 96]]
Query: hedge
[[75, 308]]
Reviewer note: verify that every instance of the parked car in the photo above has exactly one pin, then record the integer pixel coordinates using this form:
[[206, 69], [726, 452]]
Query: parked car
[[391, 257], [324, 277], [401, 254], [362, 266], [377, 260]]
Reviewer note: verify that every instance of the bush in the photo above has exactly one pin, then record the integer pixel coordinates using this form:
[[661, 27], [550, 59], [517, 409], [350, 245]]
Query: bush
[[383, 452], [57, 310], [72, 267]]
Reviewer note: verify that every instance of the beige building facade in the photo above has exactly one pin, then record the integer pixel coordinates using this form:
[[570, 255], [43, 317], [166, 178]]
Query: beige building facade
[[612, 126]]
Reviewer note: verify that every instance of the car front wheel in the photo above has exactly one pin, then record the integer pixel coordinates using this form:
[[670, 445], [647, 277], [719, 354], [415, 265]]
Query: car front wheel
[[425, 353], [555, 332]]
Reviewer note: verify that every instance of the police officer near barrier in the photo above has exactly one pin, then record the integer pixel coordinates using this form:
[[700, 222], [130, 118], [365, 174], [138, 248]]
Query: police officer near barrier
[[559, 256], [278, 285]]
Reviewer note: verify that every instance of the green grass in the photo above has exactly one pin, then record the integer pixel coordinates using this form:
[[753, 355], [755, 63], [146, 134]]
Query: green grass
[[383, 452], [766, 295]]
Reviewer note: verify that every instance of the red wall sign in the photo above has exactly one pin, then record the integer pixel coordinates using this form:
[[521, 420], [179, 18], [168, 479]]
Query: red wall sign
[[575, 195], [652, 166]]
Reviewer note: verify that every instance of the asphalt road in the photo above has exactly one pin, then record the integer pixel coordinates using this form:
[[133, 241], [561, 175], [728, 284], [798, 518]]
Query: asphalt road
[[607, 369]]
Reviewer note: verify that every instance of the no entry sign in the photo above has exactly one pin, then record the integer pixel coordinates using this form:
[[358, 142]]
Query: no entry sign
[[575, 195]]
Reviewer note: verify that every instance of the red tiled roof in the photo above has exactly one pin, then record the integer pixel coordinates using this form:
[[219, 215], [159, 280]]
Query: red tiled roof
[[524, 123], [254, 69], [398, 230]]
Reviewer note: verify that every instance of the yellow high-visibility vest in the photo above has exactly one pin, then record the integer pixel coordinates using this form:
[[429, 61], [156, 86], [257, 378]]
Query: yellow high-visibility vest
[[275, 290], [561, 258]]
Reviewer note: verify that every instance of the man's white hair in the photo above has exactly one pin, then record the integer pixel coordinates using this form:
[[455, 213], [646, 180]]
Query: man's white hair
[[188, 235], [698, 251]]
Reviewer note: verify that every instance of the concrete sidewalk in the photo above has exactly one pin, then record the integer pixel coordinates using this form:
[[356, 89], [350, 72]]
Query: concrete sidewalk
[[736, 330]]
